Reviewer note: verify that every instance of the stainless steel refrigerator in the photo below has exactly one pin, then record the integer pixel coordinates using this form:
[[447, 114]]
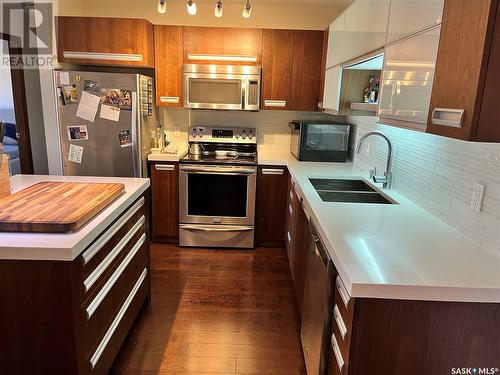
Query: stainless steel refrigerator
[[106, 122]]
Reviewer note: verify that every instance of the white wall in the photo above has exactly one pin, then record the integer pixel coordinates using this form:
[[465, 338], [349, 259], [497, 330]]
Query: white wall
[[303, 14], [438, 174], [6, 97]]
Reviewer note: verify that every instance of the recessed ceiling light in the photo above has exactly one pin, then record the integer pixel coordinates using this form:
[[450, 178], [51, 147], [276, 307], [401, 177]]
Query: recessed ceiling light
[[162, 6], [247, 10], [191, 7], [218, 9]]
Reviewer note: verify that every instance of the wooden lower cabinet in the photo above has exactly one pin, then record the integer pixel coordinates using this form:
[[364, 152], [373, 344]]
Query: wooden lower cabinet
[[296, 240], [384, 336], [270, 207], [71, 317], [164, 201]]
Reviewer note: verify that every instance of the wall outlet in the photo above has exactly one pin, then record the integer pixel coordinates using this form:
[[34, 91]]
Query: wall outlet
[[177, 131], [476, 202]]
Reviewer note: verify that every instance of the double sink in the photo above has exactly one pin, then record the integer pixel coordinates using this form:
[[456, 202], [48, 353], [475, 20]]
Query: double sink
[[348, 191]]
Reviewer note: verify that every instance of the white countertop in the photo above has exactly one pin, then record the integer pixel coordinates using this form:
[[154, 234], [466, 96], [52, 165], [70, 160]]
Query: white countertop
[[396, 251], [168, 157], [66, 247]]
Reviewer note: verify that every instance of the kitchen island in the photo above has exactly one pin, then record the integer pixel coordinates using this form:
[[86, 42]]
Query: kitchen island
[[67, 301]]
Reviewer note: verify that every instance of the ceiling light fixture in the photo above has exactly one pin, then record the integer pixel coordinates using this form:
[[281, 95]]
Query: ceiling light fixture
[[191, 7], [247, 10], [218, 9], [162, 6]]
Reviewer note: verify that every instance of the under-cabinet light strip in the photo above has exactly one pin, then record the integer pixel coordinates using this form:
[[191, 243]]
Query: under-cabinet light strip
[[102, 56]]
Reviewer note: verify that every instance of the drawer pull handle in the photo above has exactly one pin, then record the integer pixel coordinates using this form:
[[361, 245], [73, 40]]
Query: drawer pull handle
[[290, 209], [291, 195], [289, 237], [92, 307], [164, 167], [112, 328], [98, 245], [336, 352], [340, 322], [169, 99], [275, 103], [342, 291], [273, 171], [92, 278], [448, 117]]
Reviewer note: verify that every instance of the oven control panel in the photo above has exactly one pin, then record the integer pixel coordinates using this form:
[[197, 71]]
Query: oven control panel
[[222, 135]]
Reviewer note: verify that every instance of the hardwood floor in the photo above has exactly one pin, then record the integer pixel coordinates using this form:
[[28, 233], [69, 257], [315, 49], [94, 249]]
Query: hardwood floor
[[216, 311]]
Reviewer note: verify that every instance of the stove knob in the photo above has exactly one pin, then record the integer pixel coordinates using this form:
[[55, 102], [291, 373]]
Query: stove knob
[[250, 135], [237, 135], [244, 135]]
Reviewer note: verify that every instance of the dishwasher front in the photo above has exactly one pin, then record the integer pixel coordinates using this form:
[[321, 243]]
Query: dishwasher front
[[318, 306]]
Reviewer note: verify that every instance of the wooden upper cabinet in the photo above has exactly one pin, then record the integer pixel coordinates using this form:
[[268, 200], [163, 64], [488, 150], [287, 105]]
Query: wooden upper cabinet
[[277, 68], [307, 70], [107, 36], [488, 129], [168, 63], [222, 41], [460, 76]]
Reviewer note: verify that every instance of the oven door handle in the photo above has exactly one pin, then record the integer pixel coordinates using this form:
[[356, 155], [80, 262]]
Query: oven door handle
[[228, 171], [201, 228]]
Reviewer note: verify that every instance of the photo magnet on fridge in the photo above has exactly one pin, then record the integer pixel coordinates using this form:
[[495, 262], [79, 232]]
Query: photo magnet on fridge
[[60, 95], [75, 153], [89, 85], [70, 94], [78, 133], [118, 98], [125, 138]]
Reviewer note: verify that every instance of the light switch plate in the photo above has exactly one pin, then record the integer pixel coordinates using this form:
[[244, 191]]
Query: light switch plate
[[476, 202]]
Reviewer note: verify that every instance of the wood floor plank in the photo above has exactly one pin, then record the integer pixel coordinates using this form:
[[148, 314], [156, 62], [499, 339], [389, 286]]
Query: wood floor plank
[[216, 311]]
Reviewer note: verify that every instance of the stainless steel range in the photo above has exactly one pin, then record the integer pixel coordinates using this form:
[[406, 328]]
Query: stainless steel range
[[217, 182]]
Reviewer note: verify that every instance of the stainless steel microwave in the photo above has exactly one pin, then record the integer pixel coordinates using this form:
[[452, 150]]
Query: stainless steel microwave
[[320, 141], [227, 87]]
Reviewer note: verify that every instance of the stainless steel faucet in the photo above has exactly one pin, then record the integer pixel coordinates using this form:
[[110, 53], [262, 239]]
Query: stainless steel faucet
[[386, 179]]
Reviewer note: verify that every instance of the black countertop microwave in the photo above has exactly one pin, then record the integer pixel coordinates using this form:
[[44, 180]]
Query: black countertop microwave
[[320, 141]]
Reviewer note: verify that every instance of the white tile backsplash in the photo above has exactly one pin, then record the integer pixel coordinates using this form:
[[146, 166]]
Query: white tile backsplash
[[438, 174], [272, 126]]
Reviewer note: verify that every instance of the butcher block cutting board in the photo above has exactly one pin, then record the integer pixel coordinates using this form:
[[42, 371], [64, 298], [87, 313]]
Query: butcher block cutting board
[[55, 207]]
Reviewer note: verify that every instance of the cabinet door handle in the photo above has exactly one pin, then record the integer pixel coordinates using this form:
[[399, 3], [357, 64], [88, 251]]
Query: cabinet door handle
[[290, 209], [291, 195], [169, 99], [112, 328], [92, 278], [101, 241], [448, 117], [340, 322], [336, 352], [289, 237], [103, 56], [342, 291], [275, 103], [96, 302], [165, 167], [273, 171]]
